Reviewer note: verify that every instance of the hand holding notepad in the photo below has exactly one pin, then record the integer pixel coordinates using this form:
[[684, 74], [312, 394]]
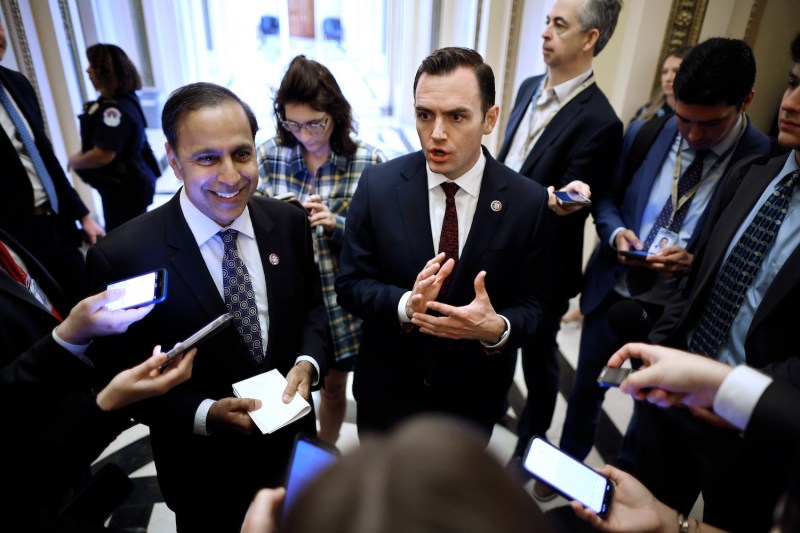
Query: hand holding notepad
[[273, 414]]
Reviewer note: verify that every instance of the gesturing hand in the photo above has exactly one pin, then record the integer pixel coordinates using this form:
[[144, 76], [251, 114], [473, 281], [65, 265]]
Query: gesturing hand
[[476, 320], [428, 283]]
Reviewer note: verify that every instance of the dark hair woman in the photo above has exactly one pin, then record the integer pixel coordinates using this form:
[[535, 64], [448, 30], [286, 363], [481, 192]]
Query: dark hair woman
[[115, 157]]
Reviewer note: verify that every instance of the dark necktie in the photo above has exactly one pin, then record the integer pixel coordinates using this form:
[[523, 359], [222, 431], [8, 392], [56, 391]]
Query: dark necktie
[[30, 147], [239, 295], [448, 239], [641, 279], [740, 268], [13, 269]]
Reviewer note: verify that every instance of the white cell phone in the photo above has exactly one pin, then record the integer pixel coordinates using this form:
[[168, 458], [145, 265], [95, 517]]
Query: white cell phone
[[568, 198], [201, 335], [568, 476], [141, 290]]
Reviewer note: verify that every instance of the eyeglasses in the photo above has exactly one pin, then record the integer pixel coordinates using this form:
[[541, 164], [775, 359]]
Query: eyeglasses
[[314, 127]]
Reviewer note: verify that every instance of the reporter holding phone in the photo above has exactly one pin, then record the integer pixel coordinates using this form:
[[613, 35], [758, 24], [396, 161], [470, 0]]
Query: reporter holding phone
[[63, 424], [314, 156]]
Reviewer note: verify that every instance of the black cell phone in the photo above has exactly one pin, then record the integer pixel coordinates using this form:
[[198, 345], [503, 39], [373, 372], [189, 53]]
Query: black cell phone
[[292, 199], [639, 255], [310, 457], [612, 376], [568, 476], [568, 198], [140, 291], [203, 334]]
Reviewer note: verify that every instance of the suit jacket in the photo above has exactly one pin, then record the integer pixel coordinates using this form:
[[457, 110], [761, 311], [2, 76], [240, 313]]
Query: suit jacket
[[582, 142], [773, 336], [23, 320], [604, 268], [193, 468], [388, 241], [18, 213]]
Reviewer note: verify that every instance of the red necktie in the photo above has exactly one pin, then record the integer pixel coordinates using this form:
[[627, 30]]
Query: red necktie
[[15, 271], [448, 239]]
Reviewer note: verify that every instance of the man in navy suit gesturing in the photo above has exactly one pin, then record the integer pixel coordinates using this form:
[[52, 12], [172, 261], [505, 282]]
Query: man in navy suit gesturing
[[444, 258]]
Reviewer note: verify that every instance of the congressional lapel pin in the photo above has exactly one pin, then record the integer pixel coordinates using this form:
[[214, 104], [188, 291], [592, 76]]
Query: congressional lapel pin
[[496, 205], [112, 117], [274, 259]]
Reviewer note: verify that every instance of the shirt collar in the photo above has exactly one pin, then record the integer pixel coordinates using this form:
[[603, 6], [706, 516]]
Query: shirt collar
[[470, 181], [297, 162], [564, 89], [203, 228]]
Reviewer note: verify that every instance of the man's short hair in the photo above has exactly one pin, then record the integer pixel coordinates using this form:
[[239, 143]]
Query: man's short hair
[[715, 71], [796, 48], [190, 98], [601, 15], [447, 60]]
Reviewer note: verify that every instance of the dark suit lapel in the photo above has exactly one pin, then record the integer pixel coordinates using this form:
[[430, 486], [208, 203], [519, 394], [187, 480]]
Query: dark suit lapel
[[412, 200], [483, 229], [263, 226], [748, 193], [524, 101], [188, 264], [651, 169]]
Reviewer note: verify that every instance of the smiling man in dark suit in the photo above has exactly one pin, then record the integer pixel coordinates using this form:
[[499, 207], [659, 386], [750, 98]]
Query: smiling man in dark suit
[[224, 251], [563, 134], [484, 283]]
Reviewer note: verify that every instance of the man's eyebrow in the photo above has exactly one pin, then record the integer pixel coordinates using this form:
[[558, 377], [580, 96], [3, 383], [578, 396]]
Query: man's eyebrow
[[456, 110]]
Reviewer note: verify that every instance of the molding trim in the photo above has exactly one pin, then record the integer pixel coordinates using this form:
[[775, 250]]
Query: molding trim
[[512, 44], [142, 44], [478, 20], [69, 30], [683, 29], [754, 22], [18, 39]]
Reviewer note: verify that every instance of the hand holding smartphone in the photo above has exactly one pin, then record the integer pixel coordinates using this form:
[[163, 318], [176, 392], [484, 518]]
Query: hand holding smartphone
[[570, 198], [140, 291], [636, 255], [568, 476], [203, 334]]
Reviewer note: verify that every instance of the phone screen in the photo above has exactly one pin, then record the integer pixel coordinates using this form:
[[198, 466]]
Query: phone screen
[[612, 376], [570, 197], [140, 291], [309, 459], [568, 476]]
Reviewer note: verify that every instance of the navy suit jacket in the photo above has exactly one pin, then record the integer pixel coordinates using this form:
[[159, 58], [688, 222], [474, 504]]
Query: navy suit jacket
[[192, 467], [387, 243], [582, 142], [604, 268], [773, 337], [18, 212]]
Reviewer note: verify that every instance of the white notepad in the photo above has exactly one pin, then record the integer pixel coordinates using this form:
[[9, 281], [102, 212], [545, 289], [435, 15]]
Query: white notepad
[[273, 414]]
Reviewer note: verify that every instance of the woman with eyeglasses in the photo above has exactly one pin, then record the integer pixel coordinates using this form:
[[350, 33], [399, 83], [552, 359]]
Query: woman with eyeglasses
[[314, 157], [115, 157]]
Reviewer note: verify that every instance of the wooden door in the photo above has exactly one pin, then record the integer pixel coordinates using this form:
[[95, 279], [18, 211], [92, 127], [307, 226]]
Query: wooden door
[[301, 18]]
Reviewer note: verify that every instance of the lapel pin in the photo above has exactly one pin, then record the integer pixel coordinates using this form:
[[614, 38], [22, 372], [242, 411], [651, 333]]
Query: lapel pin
[[274, 259], [496, 205]]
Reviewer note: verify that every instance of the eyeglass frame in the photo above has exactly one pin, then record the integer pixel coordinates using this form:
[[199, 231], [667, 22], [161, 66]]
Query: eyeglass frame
[[313, 127]]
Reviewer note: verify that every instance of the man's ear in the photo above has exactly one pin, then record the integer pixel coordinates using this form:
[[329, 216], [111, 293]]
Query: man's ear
[[490, 119], [592, 37], [174, 162], [747, 101]]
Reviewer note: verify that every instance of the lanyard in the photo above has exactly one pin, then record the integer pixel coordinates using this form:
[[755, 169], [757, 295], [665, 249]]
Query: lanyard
[[678, 203], [575, 92]]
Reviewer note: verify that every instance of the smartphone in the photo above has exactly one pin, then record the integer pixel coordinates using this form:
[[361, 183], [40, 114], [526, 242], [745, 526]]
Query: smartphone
[[612, 376], [568, 476], [197, 337], [292, 199], [639, 255], [568, 198], [140, 291], [310, 457]]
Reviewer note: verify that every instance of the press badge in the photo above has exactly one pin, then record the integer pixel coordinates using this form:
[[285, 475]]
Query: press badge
[[664, 239]]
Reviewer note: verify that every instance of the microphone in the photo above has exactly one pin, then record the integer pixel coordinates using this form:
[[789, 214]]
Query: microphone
[[630, 321]]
